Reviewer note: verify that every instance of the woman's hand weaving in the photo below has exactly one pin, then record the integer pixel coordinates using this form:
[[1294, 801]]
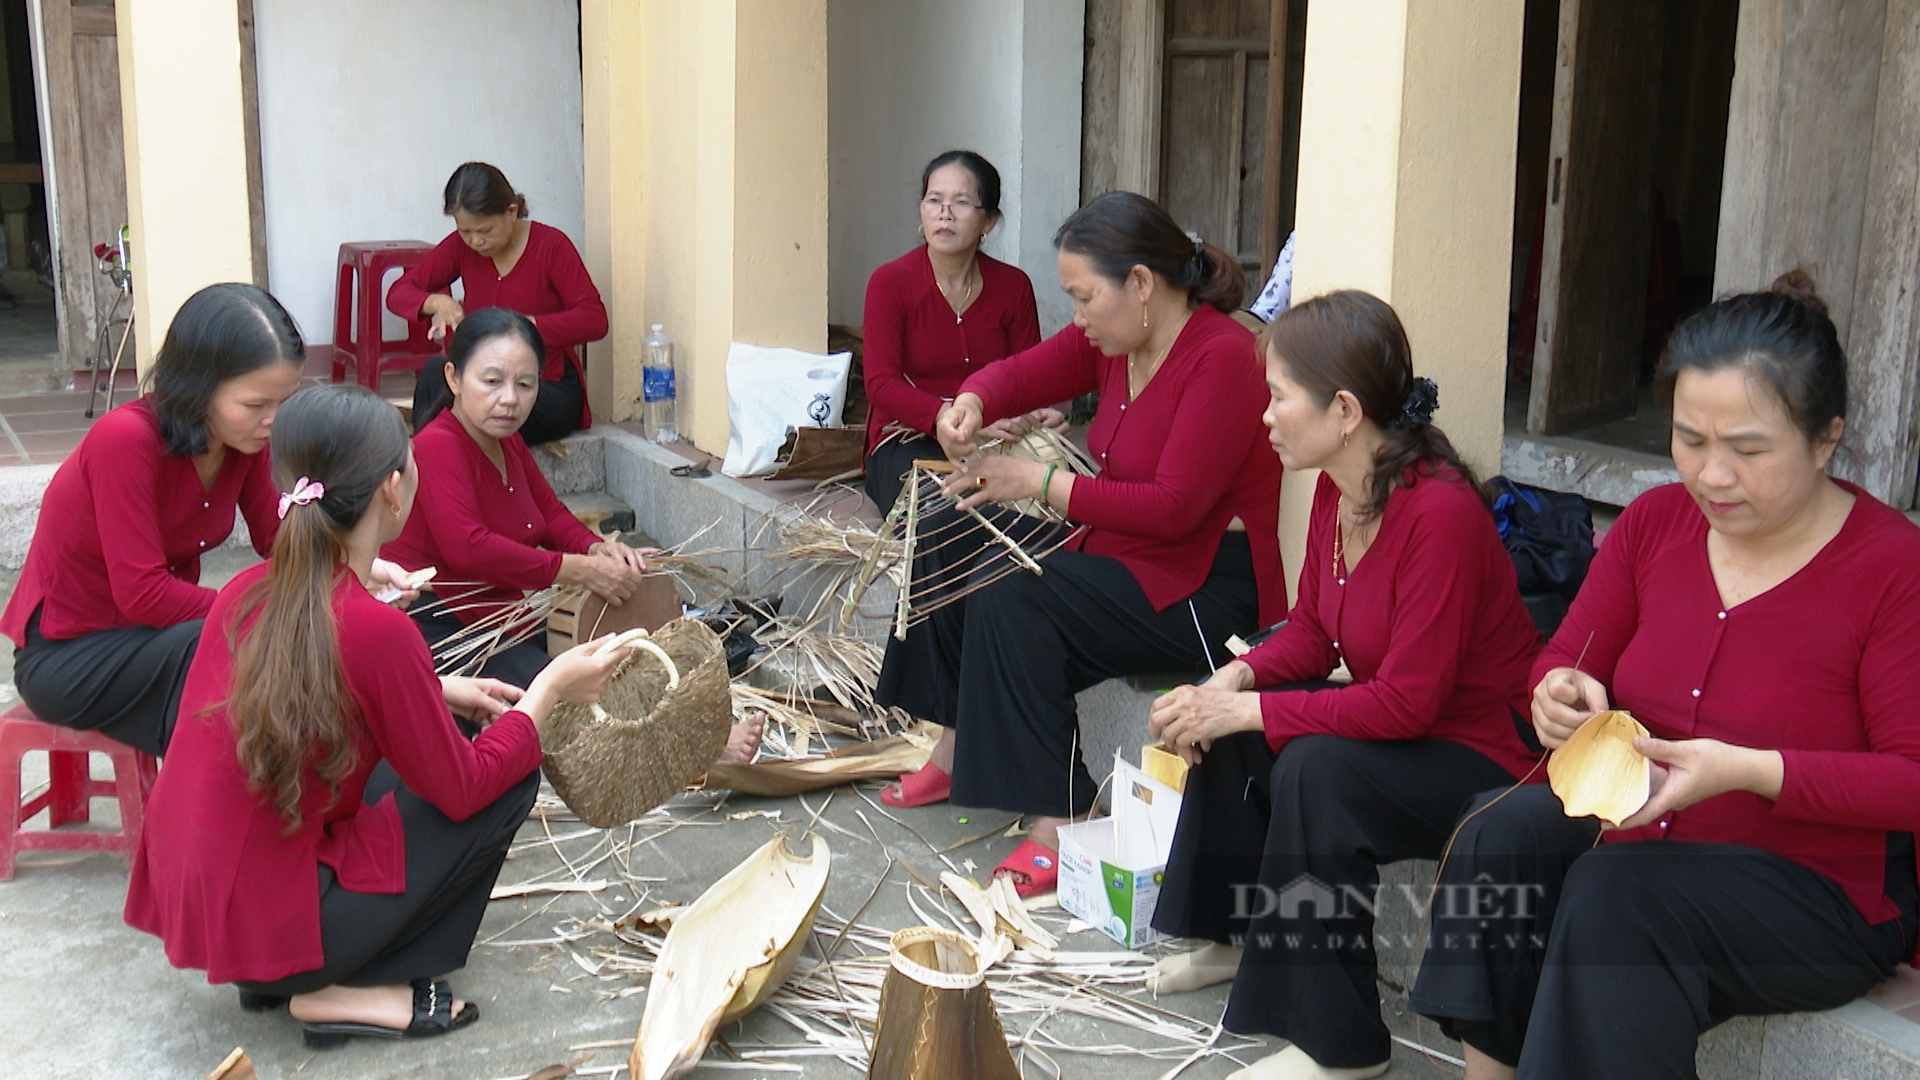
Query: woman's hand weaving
[[994, 478], [1563, 701], [958, 424], [480, 700], [1190, 718]]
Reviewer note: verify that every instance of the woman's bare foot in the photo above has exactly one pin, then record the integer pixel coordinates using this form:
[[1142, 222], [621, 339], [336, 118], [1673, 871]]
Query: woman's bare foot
[[743, 742], [1482, 1067], [382, 1006], [1208, 965]]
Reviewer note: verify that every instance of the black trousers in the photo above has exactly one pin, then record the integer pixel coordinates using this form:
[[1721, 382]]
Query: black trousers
[[1002, 667], [426, 931], [556, 409], [1574, 960], [888, 464], [1281, 856], [122, 683], [517, 665]]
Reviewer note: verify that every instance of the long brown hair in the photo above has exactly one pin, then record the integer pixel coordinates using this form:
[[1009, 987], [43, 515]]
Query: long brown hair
[[1121, 230], [290, 706], [1353, 341]]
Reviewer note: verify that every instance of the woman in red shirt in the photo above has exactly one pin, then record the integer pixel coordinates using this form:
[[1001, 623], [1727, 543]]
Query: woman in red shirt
[[109, 606], [502, 259], [1407, 586], [488, 521], [317, 749], [935, 316], [1763, 621], [1175, 547]]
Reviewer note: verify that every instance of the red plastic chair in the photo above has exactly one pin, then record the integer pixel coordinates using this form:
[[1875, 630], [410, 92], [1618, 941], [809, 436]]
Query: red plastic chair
[[69, 789], [357, 341]]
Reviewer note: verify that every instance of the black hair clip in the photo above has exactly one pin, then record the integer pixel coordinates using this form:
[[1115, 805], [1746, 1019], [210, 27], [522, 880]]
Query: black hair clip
[[1421, 402]]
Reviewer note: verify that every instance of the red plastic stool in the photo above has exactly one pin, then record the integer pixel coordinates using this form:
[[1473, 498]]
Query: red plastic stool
[[70, 786], [357, 340]]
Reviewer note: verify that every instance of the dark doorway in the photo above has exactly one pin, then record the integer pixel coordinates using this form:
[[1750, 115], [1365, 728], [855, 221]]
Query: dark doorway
[[1622, 144]]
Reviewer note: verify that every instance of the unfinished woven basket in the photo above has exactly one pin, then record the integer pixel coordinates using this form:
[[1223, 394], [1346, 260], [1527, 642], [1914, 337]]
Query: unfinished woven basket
[[648, 742]]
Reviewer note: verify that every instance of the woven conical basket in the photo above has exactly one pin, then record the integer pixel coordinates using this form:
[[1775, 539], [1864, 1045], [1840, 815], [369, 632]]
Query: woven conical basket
[[653, 742]]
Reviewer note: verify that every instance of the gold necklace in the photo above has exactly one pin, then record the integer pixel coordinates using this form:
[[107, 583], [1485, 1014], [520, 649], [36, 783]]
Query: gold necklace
[[1164, 350], [965, 295]]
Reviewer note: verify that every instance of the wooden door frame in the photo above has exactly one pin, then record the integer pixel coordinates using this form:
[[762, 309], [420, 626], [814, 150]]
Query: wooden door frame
[[60, 152], [1144, 46]]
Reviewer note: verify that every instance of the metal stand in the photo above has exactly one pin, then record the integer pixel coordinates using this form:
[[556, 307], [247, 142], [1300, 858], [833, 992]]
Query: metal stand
[[106, 330]]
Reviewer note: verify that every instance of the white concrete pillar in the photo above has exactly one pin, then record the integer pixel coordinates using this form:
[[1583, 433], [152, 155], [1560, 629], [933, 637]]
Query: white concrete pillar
[[186, 148], [1407, 147]]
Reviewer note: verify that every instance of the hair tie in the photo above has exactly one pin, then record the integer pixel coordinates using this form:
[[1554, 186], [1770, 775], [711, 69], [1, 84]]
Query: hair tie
[[304, 492], [1422, 400], [1199, 245]]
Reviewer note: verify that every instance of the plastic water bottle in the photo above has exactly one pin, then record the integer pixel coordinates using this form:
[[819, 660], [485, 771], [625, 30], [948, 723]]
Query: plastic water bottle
[[657, 417]]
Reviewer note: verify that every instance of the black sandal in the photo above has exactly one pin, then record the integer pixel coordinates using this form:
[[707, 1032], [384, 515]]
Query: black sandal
[[259, 1003], [433, 1016]]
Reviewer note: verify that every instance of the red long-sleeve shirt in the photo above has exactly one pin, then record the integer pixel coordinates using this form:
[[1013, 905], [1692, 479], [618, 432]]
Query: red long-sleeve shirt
[[122, 527], [1819, 667], [219, 880], [1430, 622], [549, 285], [1177, 465], [916, 351], [492, 540]]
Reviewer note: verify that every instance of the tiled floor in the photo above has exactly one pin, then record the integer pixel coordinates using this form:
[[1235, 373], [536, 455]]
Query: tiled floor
[[1899, 995]]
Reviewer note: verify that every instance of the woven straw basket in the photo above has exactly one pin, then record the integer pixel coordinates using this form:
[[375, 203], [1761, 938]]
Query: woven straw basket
[[652, 742]]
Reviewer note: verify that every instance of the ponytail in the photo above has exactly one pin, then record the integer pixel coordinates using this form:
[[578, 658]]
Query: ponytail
[[1121, 230], [1218, 279], [333, 447]]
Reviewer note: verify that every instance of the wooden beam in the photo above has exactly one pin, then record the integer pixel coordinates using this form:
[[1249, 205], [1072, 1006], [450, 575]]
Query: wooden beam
[[1192, 46], [250, 105], [1883, 346], [1273, 173], [90, 21], [1142, 57], [1236, 125]]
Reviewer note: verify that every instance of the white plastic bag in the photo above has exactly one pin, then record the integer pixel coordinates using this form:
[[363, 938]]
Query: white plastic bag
[[772, 390]]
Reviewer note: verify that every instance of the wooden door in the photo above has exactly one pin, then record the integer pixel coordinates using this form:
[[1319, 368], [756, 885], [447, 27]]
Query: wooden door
[[1593, 277], [1219, 92], [86, 174]]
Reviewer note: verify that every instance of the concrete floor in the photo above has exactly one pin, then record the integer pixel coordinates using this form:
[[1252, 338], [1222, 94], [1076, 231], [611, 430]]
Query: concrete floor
[[84, 996]]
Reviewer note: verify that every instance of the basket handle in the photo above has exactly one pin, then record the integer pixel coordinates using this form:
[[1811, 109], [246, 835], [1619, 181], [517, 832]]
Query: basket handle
[[641, 640]]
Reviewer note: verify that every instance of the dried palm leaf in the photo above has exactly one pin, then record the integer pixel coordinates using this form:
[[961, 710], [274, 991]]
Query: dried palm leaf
[[998, 912], [726, 953], [882, 759], [1598, 773], [936, 1019]]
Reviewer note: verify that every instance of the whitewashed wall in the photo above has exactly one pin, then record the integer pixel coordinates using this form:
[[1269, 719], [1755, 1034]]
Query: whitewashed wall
[[367, 106], [908, 79]]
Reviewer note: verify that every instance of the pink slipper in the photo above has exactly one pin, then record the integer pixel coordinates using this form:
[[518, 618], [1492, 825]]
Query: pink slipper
[[929, 785], [1037, 863]]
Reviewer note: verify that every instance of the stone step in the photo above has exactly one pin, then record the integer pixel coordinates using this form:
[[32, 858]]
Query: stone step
[[602, 513]]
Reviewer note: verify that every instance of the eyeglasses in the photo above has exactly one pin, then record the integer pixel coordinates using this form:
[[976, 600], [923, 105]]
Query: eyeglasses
[[958, 207]]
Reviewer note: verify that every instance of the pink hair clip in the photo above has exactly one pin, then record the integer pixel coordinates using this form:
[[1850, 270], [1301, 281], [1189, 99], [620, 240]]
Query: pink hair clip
[[304, 492]]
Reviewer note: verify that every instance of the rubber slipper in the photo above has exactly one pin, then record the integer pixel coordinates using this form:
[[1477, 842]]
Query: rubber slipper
[[1035, 862], [929, 785], [433, 1016]]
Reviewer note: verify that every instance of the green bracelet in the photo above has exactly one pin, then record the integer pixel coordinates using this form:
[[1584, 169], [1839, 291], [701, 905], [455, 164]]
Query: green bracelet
[[1046, 481]]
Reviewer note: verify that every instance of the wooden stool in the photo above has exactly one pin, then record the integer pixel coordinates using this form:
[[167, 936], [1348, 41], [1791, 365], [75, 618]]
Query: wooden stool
[[70, 788]]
